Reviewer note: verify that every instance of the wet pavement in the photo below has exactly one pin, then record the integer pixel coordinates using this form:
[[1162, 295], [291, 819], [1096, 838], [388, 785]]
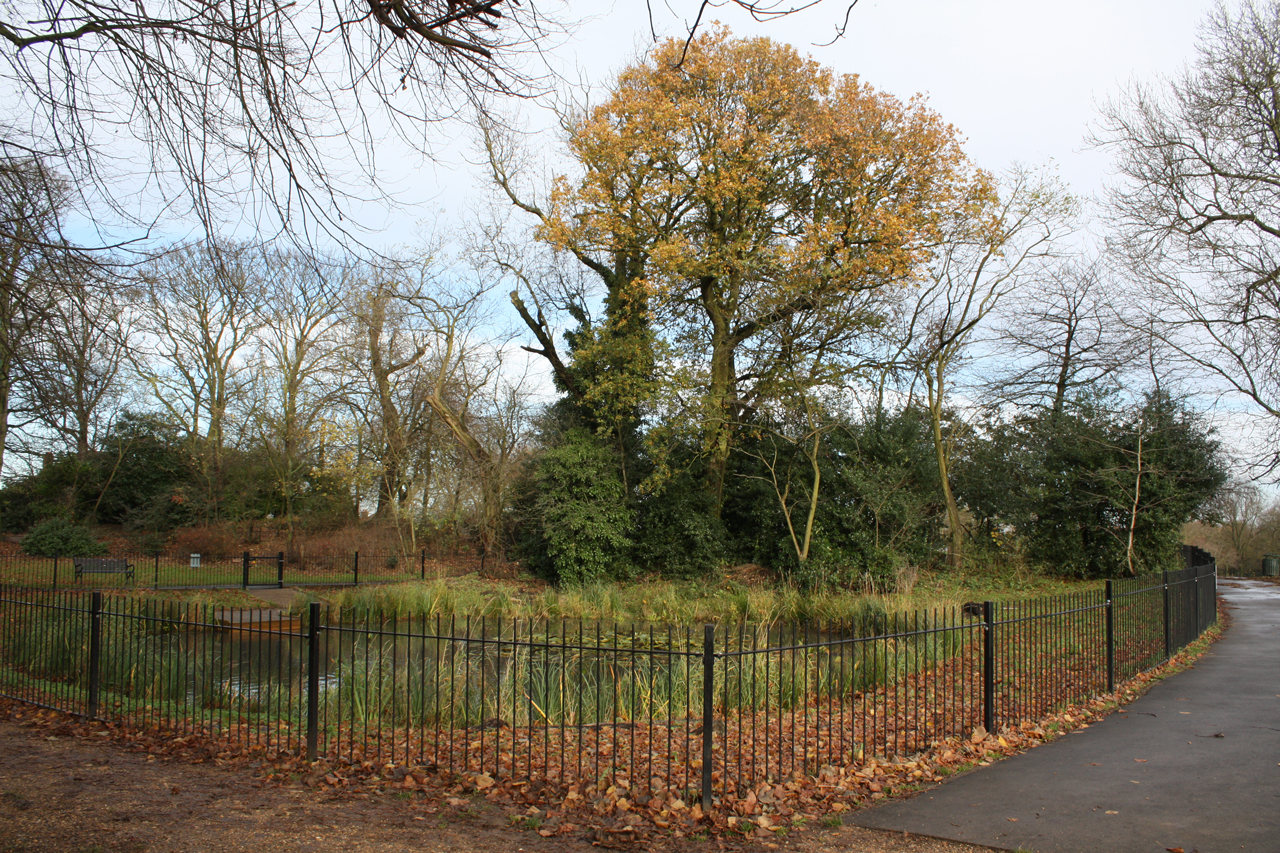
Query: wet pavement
[[1192, 764]]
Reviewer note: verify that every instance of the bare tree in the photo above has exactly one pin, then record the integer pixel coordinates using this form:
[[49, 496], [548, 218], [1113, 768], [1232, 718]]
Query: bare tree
[[972, 271], [1197, 214], [268, 109], [73, 375], [391, 349], [297, 368], [33, 201], [1062, 335], [1242, 508], [200, 306], [433, 388]]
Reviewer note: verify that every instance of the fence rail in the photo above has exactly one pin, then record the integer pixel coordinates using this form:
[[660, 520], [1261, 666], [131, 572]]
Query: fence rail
[[198, 571], [702, 711]]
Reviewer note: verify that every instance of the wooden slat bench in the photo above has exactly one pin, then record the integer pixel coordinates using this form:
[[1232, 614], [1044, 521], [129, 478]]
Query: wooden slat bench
[[103, 566]]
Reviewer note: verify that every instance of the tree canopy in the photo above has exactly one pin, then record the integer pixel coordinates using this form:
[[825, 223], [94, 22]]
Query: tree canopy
[[742, 206], [269, 111]]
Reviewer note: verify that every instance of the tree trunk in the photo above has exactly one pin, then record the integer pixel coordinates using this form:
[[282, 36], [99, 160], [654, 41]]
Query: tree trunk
[[1133, 511], [934, 385], [721, 395]]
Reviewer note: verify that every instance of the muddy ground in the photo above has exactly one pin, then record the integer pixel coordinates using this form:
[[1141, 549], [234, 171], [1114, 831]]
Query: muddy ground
[[73, 794]]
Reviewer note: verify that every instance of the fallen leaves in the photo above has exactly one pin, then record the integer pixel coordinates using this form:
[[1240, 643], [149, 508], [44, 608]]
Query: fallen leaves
[[583, 785]]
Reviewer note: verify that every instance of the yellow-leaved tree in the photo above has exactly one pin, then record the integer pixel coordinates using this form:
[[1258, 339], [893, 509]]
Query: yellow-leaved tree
[[743, 207]]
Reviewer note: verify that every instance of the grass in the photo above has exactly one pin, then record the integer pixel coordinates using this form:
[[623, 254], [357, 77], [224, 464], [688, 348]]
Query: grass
[[679, 603], [653, 600], [233, 598], [174, 572]]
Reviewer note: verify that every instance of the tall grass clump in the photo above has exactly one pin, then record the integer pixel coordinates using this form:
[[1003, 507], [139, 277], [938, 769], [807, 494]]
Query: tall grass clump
[[665, 602]]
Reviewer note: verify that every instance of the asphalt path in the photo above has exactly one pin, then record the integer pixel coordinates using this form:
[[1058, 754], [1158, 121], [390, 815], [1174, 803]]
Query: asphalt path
[[1192, 764]]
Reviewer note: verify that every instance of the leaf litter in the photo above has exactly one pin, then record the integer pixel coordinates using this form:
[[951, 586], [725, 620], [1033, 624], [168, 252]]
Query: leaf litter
[[624, 811]]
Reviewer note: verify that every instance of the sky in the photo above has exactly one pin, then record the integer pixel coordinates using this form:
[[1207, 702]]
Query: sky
[[1021, 81]]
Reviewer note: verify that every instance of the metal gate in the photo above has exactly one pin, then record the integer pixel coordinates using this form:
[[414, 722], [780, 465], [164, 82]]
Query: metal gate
[[264, 570]]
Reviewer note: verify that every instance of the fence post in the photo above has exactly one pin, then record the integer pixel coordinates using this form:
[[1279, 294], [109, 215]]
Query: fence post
[[313, 681], [988, 666], [1213, 593], [708, 721], [246, 569], [55, 572], [1197, 604], [355, 566], [1168, 625], [1111, 638], [280, 569], [156, 583], [95, 651], [424, 564]]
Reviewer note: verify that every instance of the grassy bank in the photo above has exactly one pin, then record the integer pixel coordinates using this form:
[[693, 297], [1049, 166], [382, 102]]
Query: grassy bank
[[677, 602]]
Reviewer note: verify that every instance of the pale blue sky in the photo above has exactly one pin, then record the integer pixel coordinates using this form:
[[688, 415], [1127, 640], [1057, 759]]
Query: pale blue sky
[[1020, 80]]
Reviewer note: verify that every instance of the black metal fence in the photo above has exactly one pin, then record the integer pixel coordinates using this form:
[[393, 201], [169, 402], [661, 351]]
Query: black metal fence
[[681, 711], [198, 571]]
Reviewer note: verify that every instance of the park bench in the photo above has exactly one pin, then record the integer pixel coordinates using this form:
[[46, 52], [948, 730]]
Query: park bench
[[103, 566]]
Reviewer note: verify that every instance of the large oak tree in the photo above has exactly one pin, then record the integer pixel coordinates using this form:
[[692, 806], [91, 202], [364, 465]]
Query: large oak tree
[[738, 202]]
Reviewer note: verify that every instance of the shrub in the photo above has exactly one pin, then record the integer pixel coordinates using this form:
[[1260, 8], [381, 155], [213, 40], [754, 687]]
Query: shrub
[[678, 535], [59, 537], [580, 513]]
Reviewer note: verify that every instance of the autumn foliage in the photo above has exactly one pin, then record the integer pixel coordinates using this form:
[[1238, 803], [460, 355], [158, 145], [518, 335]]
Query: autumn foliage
[[741, 205]]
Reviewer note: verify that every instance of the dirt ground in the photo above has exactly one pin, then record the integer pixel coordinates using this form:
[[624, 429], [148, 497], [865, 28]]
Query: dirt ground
[[69, 794]]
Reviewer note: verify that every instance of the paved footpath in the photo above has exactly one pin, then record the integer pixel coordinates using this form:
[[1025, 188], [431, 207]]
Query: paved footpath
[[1194, 763]]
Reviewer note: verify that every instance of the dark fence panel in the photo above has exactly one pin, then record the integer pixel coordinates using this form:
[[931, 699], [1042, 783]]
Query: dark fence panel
[[199, 571], [674, 710], [529, 699], [1051, 651], [796, 700], [1139, 621], [174, 665], [46, 638]]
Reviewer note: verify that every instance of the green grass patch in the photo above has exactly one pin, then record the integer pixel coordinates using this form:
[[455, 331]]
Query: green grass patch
[[678, 603]]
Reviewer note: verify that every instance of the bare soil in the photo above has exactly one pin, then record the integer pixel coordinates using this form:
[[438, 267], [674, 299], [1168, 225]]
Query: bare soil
[[64, 793]]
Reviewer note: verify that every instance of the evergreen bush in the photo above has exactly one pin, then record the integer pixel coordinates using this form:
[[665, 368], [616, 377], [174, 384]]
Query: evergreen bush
[[60, 537]]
